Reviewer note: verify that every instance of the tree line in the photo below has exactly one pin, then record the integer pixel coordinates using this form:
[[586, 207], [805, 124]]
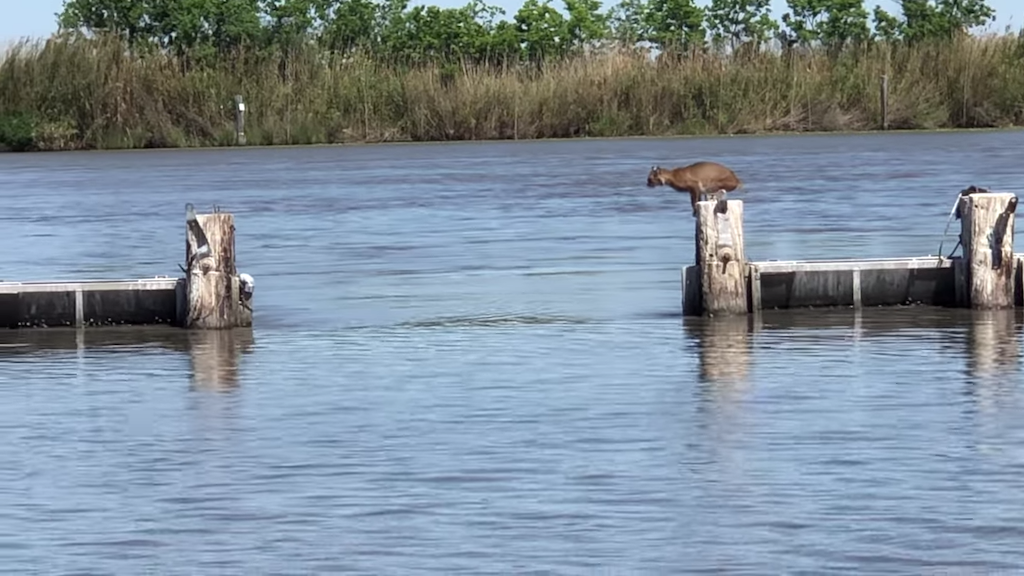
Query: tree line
[[201, 30], [157, 73]]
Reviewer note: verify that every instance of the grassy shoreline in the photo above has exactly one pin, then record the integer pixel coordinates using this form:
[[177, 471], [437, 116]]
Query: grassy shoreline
[[255, 147], [81, 94]]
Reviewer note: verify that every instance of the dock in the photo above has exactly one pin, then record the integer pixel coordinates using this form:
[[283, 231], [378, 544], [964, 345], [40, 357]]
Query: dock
[[211, 295], [986, 276], [43, 304]]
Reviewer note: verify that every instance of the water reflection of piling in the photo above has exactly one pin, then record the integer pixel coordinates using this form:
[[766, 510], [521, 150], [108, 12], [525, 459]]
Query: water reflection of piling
[[993, 349], [992, 358], [216, 357], [724, 347]]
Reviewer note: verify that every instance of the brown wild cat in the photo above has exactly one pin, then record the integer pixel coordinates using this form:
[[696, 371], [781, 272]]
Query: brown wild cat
[[699, 179]]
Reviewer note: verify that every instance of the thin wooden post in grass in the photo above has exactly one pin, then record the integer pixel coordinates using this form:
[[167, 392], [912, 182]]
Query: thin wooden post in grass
[[515, 117], [987, 225], [885, 101], [720, 270], [214, 298], [239, 120]]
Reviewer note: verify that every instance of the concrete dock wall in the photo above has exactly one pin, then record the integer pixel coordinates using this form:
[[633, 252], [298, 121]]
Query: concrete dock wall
[[781, 285], [90, 303], [853, 283]]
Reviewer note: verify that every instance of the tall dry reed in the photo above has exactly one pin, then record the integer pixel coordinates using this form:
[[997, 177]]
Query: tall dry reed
[[80, 93]]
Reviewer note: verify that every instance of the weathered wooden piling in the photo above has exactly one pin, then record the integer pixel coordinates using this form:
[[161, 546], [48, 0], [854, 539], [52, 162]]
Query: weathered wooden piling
[[717, 284], [987, 225], [214, 296]]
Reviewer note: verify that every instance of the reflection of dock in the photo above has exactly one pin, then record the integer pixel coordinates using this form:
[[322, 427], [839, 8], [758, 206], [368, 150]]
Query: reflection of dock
[[869, 322], [988, 338], [215, 354], [110, 339]]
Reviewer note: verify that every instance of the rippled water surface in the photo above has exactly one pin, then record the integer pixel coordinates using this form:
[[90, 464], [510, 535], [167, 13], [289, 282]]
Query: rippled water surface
[[469, 358]]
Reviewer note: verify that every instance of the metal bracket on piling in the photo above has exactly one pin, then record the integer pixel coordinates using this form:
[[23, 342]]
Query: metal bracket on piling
[[955, 213], [203, 249]]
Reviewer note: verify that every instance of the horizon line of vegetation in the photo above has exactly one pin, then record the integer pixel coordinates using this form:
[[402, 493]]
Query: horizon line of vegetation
[[162, 73]]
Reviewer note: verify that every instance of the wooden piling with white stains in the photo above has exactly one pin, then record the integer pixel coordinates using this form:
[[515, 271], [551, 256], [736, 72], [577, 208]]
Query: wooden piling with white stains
[[214, 299], [720, 271], [987, 225]]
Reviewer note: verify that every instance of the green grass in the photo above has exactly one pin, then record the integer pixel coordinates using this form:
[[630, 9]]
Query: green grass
[[91, 94]]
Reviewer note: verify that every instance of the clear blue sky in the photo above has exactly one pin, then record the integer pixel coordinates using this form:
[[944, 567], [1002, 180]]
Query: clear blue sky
[[37, 18]]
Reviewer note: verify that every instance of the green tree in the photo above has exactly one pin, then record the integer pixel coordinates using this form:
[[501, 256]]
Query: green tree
[[504, 45], [202, 31], [924, 20], [348, 24], [675, 25], [832, 23], [887, 26], [586, 23], [542, 30], [444, 34], [736, 22], [628, 21], [496, 40], [290, 22], [124, 18], [392, 28]]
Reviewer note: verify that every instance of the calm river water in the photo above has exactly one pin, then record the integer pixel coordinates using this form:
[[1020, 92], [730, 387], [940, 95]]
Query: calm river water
[[469, 358]]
